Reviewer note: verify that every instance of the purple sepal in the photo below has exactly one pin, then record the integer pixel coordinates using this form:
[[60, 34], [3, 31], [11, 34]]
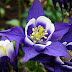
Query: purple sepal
[[16, 47], [30, 52], [38, 48], [13, 60], [67, 37], [44, 58], [4, 38], [49, 67], [16, 34], [69, 47], [61, 68], [70, 20], [4, 60], [56, 49], [68, 63], [35, 11], [60, 29]]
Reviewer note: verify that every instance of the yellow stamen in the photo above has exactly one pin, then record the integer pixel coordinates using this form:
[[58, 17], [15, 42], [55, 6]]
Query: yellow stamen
[[38, 33], [66, 59], [1, 47]]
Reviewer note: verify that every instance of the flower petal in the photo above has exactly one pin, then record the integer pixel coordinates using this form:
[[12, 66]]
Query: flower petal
[[60, 30], [15, 33], [35, 11], [29, 26], [16, 47], [28, 42], [44, 58], [30, 53], [46, 23], [68, 63], [62, 68], [70, 20], [67, 37], [4, 63], [11, 53], [40, 47], [56, 49]]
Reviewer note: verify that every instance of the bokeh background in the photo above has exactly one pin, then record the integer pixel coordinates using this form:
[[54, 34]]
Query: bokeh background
[[14, 13]]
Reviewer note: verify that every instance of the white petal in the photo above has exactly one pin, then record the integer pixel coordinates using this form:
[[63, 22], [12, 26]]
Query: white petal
[[68, 66], [28, 41], [41, 45], [59, 60], [32, 21], [70, 43], [9, 49], [49, 25], [48, 43], [44, 20], [64, 43]]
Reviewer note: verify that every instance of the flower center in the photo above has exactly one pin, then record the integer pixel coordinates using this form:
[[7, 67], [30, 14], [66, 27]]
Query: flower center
[[66, 59], [38, 33], [3, 49]]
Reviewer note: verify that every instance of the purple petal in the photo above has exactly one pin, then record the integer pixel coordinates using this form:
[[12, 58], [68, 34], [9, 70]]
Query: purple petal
[[4, 62], [44, 58], [35, 11], [60, 30], [62, 68], [30, 53], [28, 42], [29, 26], [69, 47], [70, 20], [56, 49], [13, 60], [68, 63], [39, 47], [67, 37], [51, 69], [4, 38], [16, 47], [15, 33]]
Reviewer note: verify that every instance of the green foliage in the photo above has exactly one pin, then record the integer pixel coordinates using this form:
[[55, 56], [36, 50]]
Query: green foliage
[[2, 12], [30, 66], [13, 22]]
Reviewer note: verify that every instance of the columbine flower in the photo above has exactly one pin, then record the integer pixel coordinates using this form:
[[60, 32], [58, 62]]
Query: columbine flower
[[7, 54], [67, 41], [40, 32], [39, 36]]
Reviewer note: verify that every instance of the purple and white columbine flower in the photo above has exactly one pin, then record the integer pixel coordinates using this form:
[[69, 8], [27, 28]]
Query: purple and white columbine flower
[[39, 33], [7, 54], [40, 36]]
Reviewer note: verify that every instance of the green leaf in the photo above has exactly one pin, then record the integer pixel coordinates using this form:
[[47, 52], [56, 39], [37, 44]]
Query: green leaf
[[2, 12], [13, 22]]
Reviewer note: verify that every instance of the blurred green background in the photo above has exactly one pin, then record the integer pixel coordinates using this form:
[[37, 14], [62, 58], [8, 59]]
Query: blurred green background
[[14, 13]]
